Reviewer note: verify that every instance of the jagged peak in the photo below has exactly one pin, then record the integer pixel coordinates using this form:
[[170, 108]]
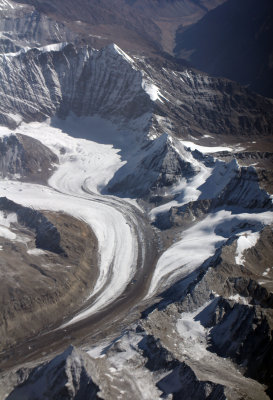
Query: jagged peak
[[69, 352], [117, 50]]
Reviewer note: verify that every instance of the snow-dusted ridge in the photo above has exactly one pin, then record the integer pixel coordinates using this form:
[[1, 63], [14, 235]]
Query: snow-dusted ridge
[[83, 80]]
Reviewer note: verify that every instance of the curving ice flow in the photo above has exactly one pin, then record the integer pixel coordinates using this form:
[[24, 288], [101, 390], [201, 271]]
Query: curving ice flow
[[85, 167], [200, 242]]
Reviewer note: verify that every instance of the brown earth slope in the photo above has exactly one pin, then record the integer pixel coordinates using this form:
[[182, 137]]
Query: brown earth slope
[[40, 286]]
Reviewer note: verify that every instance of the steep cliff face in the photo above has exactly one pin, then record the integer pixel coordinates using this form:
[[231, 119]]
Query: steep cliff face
[[47, 236], [22, 26], [69, 376], [162, 163], [60, 79], [239, 318], [198, 104], [63, 79]]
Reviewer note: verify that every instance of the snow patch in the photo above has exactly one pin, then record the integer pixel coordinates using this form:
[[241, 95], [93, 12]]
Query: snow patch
[[6, 233], [7, 219], [15, 117], [266, 271], [244, 242], [152, 90], [36, 252], [191, 331], [123, 54], [239, 299], [205, 149], [52, 47]]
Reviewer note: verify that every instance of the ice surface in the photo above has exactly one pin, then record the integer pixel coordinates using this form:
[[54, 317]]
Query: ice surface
[[85, 167]]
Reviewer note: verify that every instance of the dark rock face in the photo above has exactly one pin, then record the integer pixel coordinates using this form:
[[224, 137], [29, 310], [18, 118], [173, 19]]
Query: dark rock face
[[11, 161], [245, 334], [188, 386], [181, 381], [67, 376], [198, 104], [234, 41], [240, 315], [47, 235], [159, 166], [26, 159]]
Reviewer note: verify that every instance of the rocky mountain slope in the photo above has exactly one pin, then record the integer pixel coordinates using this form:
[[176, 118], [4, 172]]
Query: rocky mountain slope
[[44, 263], [26, 159], [69, 376], [110, 84], [139, 25]]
